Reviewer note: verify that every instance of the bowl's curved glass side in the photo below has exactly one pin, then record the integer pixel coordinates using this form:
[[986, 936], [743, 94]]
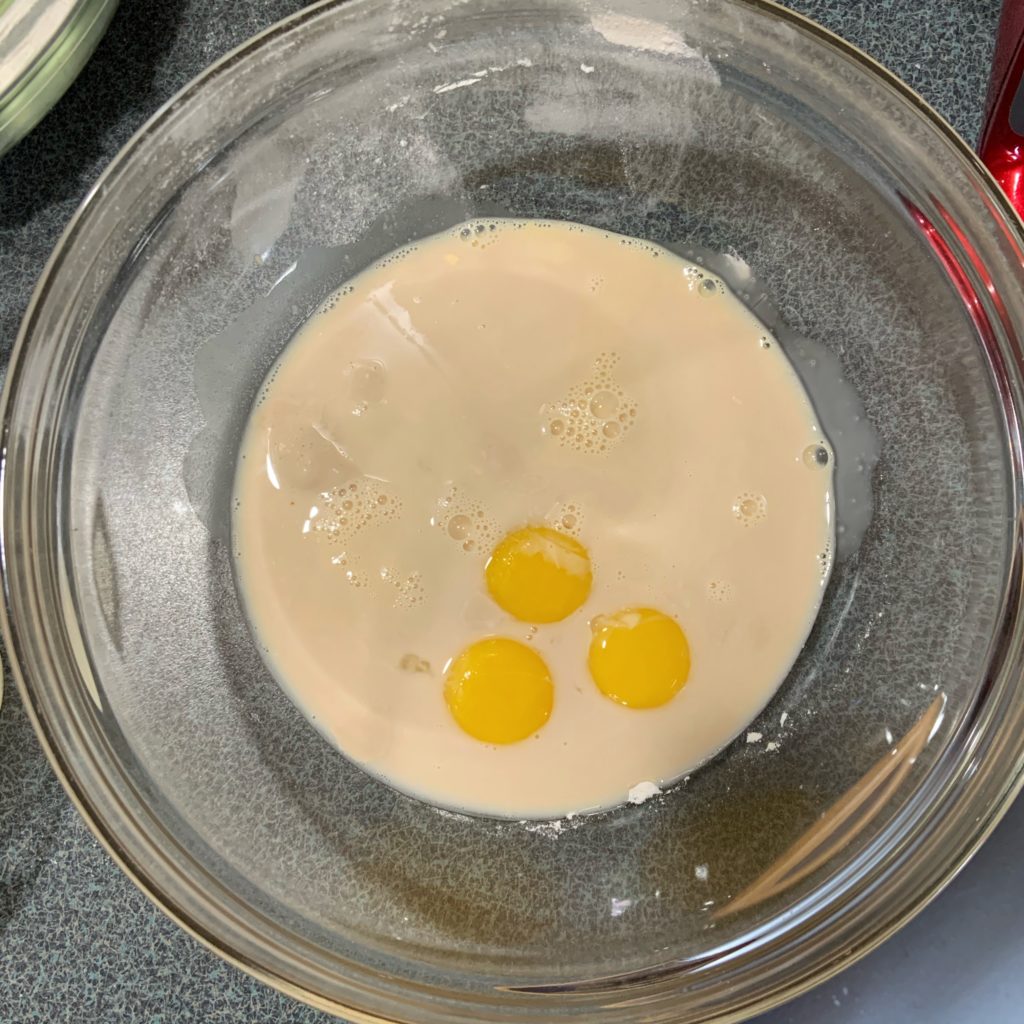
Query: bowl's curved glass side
[[365, 126]]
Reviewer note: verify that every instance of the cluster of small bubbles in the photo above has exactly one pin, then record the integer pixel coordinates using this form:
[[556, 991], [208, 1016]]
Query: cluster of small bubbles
[[398, 255], [596, 283], [595, 414], [765, 342], [750, 508], [719, 590], [414, 663], [637, 243], [465, 522], [816, 456], [342, 512], [825, 560], [566, 517], [407, 587], [265, 389], [333, 299], [479, 234], [349, 570]]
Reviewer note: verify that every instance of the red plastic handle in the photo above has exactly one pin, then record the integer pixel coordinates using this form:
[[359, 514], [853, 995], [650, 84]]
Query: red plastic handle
[[1002, 136], [1002, 149]]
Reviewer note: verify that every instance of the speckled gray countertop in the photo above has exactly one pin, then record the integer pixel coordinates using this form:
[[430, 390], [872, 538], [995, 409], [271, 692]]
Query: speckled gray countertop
[[77, 941]]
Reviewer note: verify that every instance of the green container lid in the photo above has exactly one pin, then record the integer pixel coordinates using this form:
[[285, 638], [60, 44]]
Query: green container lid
[[43, 46]]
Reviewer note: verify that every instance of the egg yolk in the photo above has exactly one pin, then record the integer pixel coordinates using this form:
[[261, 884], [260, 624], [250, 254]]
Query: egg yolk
[[639, 657], [499, 690], [538, 574]]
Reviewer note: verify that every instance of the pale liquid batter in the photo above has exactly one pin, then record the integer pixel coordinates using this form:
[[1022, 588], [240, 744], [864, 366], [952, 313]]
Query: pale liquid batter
[[509, 373]]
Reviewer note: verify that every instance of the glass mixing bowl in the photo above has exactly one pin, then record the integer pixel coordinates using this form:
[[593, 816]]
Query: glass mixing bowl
[[730, 128]]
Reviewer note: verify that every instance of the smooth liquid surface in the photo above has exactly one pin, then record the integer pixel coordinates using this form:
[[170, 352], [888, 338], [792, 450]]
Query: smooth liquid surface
[[529, 373]]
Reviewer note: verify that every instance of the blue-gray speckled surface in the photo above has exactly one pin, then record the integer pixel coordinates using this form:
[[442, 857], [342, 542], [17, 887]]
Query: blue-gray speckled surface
[[77, 942]]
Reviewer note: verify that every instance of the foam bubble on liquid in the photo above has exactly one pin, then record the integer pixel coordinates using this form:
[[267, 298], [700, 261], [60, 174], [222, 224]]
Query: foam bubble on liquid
[[720, 591], [465, 522], [816, 456], [709, 287], [750, 508], [414, 663], [460, 527], [595, 414]]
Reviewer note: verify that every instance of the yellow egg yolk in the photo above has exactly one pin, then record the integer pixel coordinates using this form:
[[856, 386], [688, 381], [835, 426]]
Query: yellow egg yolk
[[538, 574], [639, 657], [499, 690]]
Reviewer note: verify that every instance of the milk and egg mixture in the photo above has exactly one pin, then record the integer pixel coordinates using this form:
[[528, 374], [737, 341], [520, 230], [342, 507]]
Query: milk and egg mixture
[[530, 513]]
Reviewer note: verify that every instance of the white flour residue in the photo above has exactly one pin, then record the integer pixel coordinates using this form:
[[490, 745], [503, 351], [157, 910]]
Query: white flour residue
[[478, 76], [612, 106], [643, 791], [551, 829], [448, 87], [641, 34], [453, 815]]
